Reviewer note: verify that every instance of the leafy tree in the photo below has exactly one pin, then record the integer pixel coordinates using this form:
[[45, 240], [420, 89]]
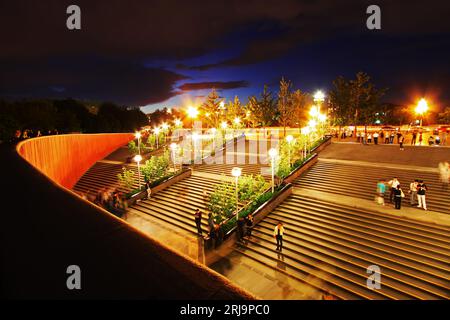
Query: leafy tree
[[285, 105], [156, 167], [356, 101], [250, 187], [262, 111], [132, 148], [210, 110], [235, 110], [301, 101], [222, 201], [126, 178], [444, 117]]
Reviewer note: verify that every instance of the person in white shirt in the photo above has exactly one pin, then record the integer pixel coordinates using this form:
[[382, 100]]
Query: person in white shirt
[[393, 184], [413, 191], [278, 235]]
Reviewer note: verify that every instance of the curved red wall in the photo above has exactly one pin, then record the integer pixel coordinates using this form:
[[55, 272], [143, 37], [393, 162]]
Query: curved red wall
[[65, 158]]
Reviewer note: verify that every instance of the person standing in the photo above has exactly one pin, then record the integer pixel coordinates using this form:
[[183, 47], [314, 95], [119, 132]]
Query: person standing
[[375, 138], [421, 191], [401, 139], [413, 139], [149, 189], [249, 223], [381, 190], [386, 138], [211, 222], [420, 138], [444, 172], [413, 192], [393, 184], [278, 235], [391, 137], [198, 221], [369, 138], [398, 193], [240, 228]]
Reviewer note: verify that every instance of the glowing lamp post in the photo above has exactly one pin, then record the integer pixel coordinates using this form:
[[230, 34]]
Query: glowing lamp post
[[213, 132], [273, 153], [289, 139], [138, 159], [192, 113], [138, 137], [177, 123], [156, 131], [173, 147], [165, 128], [319, 97], [305, 132], [236, 172], [224, 125], [422, 107]]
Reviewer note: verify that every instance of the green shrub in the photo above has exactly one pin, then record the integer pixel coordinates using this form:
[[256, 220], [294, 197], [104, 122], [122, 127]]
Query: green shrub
[[126, 178]]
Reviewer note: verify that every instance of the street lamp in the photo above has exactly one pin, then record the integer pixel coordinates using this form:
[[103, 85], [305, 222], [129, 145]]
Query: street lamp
[[173, 147], [138, 159], [319, 97], [422, 107], [236, 172], [138, 137], [273, 153], [157, 131], [177, 122], [192, 113], [289, 139], [314, 112], [305, 132], [224, 125]]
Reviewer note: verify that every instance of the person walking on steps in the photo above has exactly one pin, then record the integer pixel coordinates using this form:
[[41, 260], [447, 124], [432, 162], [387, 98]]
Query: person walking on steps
[[421, 191], [278, 235], [198, 221], [398, 193], [413, 192]]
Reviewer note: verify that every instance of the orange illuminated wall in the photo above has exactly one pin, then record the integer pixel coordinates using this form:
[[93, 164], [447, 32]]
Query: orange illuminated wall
[[65, 158]]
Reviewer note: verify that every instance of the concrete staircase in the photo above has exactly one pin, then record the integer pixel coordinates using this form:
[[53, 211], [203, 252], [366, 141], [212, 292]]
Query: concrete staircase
[[176, 204], [360, 182], [330, 246]]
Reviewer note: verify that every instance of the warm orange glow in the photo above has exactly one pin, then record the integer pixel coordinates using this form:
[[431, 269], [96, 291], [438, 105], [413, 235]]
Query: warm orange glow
[[422, 107], [192, 112]]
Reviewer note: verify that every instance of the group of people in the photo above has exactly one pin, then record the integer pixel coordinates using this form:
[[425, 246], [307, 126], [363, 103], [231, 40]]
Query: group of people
[[112, 200], [417, 193], [393, 136], [30, 133], [215, 233]]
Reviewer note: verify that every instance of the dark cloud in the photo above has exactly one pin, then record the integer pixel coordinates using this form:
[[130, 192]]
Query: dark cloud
[[88, 78], [39, 56], [217, 85]]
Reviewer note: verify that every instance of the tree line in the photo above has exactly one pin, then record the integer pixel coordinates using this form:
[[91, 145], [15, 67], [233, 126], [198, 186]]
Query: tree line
[[350, 102], [46, 116]]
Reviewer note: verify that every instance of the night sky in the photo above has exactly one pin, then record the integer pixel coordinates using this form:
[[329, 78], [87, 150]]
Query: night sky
[[168, 53]]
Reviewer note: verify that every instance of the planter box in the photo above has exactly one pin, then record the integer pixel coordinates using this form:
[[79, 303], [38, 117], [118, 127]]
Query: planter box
[[299, 171], [163, 185], [230, 239], [322, 146]]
